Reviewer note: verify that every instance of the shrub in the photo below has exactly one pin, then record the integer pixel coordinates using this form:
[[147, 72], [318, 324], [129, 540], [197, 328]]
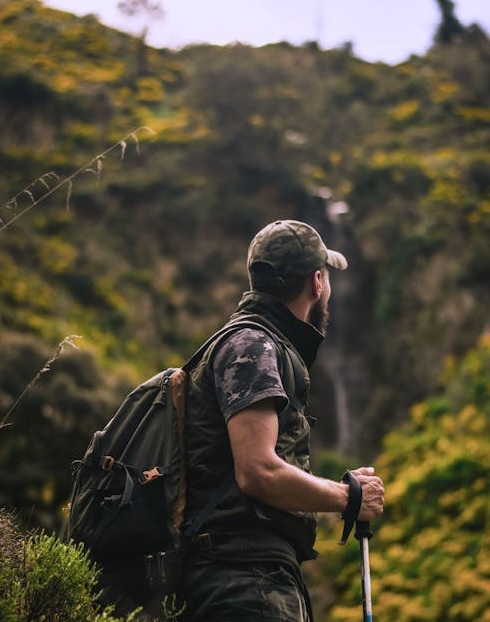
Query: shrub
[[44, 579]]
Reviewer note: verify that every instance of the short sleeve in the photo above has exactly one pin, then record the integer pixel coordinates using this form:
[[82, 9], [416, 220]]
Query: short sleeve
[[246, 370]]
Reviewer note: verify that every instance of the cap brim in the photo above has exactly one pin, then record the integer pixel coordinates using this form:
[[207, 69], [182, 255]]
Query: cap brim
[[336, 260]]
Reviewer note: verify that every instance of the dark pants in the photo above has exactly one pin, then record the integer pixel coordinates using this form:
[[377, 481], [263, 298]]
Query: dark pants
[[220, 591]]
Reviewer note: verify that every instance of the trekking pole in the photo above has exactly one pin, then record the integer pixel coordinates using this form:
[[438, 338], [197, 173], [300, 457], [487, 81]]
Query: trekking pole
[[364, 534]]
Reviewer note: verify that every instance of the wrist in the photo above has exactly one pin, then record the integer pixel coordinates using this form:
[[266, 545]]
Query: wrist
[[344, 497], [354, 496], [353, 506]]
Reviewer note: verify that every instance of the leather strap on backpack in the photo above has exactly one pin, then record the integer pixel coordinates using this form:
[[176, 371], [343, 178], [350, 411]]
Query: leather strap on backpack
[[178, 382]]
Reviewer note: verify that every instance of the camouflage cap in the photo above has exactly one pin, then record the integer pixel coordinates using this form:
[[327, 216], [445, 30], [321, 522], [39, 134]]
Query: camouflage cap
[[286, 249]]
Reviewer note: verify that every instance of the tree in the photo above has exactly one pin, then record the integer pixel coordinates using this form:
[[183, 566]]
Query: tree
[[149, 10], [450, 27]]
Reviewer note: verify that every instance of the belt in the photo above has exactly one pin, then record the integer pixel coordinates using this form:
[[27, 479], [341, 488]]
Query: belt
[[244, 544]]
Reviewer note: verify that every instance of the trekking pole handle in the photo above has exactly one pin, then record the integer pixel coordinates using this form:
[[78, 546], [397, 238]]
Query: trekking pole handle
[[363, 530]]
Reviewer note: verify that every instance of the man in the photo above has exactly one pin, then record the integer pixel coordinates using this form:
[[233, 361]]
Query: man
[[247, 440]]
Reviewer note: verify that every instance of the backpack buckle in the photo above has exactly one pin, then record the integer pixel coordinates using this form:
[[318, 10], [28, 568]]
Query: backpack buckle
[[149, 476], [204, 542]]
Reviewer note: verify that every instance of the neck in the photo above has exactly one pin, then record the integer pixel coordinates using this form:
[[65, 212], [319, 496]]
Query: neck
[[299, 308]]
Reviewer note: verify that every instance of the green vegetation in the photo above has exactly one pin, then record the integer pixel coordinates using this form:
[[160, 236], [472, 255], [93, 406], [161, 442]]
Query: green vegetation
[[141, 251], [43, 579], [429, 557]]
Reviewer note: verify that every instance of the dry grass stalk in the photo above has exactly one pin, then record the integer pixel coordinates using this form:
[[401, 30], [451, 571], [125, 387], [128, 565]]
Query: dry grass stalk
[[67, 341], [94, 166]]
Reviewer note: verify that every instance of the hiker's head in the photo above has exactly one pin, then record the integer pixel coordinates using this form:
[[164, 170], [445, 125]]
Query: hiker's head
[[289, 260], [284, 254]]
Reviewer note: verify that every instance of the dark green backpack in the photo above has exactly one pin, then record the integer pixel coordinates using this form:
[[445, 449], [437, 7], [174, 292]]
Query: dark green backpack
[[129, 489]]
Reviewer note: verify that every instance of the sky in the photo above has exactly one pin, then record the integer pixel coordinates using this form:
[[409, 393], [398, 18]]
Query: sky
[[380, 30]]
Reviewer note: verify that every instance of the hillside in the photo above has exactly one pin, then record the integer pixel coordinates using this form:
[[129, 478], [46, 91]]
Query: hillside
[[172, 160], [428, 554]]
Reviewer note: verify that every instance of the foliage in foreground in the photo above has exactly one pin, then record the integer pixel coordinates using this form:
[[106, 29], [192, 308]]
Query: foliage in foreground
[[429, 554], [41, 578]]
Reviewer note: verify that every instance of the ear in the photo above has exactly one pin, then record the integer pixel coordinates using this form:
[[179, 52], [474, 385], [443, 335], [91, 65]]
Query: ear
[[317, 284]]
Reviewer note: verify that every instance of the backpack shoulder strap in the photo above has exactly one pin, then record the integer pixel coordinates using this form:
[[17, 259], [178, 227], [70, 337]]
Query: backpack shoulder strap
[[294, 367], [213, 501], [227, 329]]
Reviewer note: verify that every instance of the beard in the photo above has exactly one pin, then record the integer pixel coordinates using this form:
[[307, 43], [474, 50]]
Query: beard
[[319, 315]]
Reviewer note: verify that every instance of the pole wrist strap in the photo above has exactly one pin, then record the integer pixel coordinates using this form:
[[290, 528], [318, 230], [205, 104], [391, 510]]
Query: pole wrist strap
[[354, 501]]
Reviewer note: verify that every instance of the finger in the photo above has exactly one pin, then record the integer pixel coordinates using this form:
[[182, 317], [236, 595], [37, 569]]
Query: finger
[[364, 471]]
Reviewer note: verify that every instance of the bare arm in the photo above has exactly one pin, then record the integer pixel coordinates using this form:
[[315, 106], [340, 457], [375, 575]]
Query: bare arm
[[261, 474]]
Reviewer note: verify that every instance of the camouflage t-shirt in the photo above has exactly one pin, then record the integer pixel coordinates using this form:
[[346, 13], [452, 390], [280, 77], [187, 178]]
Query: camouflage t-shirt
[[246, 370]]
